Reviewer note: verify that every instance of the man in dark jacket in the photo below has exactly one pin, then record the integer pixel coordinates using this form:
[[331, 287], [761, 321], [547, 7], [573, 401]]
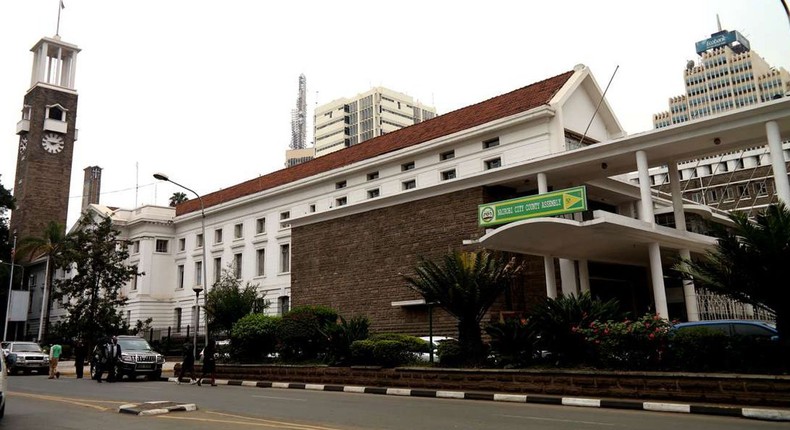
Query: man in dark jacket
[[113, 357]]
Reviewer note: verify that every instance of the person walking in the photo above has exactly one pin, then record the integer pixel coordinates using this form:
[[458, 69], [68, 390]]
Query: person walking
[[187, 365], [79, 357], [100, 358], [209, 363], [54, 356], [113, 356]]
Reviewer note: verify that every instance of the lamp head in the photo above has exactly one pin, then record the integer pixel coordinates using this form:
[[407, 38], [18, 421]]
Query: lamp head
[[197, 289], [161, 176]]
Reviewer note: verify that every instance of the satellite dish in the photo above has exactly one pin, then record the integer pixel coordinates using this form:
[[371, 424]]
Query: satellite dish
[[690, 65]]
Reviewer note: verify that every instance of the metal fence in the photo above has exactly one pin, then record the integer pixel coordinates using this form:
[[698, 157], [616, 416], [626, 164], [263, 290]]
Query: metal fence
[[715, 306]]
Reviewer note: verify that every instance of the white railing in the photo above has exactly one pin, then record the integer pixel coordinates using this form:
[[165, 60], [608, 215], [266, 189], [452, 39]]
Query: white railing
[[714, 306]]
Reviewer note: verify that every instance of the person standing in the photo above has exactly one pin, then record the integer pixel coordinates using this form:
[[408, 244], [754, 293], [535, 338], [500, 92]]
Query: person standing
[[113, 356], [209, 363], [79, 357], [54, 356], [100, 358], [187, 365]]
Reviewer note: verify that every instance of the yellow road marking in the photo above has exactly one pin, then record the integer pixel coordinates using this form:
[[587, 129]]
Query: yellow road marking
[[256, 422], [79, 402]]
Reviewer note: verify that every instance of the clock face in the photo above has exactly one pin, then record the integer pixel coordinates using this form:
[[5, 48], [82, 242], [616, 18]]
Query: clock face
[[52, 143], [22, 144]]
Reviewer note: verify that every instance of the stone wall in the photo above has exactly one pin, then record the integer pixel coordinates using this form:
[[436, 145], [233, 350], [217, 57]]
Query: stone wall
[[743, 390]]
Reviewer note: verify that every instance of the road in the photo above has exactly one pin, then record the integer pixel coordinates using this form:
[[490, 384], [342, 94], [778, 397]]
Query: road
[[68, 403]]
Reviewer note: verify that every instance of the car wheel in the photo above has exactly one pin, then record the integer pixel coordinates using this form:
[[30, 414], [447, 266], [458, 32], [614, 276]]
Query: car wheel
[[13, 371], [155, 376]]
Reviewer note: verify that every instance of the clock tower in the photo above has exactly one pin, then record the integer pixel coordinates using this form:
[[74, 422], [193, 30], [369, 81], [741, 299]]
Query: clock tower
[[47, 134]]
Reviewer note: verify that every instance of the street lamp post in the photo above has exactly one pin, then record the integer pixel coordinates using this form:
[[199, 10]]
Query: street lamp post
[[10, 286], [196, 289]]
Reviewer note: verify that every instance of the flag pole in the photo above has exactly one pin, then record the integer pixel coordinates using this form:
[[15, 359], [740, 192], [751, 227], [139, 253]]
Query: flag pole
[[61, 6]]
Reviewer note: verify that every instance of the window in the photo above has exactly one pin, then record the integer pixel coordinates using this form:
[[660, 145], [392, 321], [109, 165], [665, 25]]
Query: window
[[285, 304], [218, 235], [180, 277], [284, 216], [182, 244], [238, 231], [136, 247], [407, 166], [177, 318], [198, 273], [743, 191], [199, 240], [237, 265], [134, 280], [373, 175], [217, 268], [260, 226], [490, 143], [372, 194], [312, 208], [493, 164], [449, 155], [407, 185], [448, 174], [285, 258], [341, 201], [759, 188], [339, 185], [161, 245], [260, 262]]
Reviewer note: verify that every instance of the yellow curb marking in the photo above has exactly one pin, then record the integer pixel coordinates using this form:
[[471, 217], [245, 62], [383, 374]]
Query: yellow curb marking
[[78, 402], [257, 422]]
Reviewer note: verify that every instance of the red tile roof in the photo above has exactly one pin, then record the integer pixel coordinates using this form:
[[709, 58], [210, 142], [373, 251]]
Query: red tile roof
[[514, 102]]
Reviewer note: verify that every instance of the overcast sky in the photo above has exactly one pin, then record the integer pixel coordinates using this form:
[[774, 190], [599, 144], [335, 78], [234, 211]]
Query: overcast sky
[[203, 90]]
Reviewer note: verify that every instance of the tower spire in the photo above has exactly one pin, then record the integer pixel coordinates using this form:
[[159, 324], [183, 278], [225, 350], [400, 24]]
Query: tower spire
[[61, 6]]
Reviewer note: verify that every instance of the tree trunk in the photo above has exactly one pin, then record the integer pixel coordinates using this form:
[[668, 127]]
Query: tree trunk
[[471, 341]]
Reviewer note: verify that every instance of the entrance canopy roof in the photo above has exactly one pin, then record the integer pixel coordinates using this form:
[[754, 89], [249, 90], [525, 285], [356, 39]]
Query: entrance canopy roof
[[608, 237]]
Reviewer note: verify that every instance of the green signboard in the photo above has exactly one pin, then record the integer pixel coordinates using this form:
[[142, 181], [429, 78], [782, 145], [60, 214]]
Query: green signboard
[[554, 203]]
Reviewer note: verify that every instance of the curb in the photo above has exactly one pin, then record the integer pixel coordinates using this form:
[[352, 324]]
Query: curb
[[687, 408], [155, 408]]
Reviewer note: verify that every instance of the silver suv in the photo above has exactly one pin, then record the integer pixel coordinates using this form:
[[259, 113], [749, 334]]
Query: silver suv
[[25, 356], [137, 358]]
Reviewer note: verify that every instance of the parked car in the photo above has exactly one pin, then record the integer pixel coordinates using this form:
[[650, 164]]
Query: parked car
[[137, 358], [732, 327], [426, 356], [25, 356]]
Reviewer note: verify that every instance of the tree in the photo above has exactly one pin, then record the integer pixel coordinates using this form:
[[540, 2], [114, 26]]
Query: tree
[[466, 284], [48, 245], [6, 204], [227, 302], [177, 198], [748, 264], [96, 260]]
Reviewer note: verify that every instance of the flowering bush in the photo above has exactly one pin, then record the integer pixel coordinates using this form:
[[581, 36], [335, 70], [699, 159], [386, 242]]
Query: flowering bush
[[638, 344]]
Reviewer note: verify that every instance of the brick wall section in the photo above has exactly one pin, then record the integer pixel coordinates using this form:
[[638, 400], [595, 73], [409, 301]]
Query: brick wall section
[[742, 390], [352, 264]]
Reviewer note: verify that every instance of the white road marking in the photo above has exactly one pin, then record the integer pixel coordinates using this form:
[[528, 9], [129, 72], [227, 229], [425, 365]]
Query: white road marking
[[280, 398], [594, 423]]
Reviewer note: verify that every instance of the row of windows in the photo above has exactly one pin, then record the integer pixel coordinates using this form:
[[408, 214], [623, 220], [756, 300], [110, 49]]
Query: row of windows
[[714, 196], [236, 267]]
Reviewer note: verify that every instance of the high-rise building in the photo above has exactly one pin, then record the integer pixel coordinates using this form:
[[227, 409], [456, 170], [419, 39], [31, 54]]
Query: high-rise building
[[345, 122], [727, 76], [297, 151]]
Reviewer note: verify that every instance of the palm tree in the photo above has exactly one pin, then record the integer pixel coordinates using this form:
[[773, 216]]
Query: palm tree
[[49, 245], [177, 198], [749, 264], [465, 284]]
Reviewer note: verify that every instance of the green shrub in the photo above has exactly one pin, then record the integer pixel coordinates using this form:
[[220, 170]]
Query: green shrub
[[341, 335], [702, 349], [387, 349], [302, 333], [555, 319], [639, 344], [513, 342], [450, 352], [254, 337]]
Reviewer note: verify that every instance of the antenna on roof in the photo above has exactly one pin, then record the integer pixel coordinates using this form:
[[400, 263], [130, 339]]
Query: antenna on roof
[[598, 106], [718, 21]]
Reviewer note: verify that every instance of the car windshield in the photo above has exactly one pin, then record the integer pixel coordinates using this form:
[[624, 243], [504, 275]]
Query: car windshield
[[25, 347], [134, 345]]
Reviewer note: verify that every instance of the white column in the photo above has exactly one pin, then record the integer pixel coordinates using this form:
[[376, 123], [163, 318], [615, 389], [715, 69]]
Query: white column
[[551, 281], [781, 183], [548, 261], [689, 293], [568, 277], [645, 193], [657, 275], [584, 276]]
